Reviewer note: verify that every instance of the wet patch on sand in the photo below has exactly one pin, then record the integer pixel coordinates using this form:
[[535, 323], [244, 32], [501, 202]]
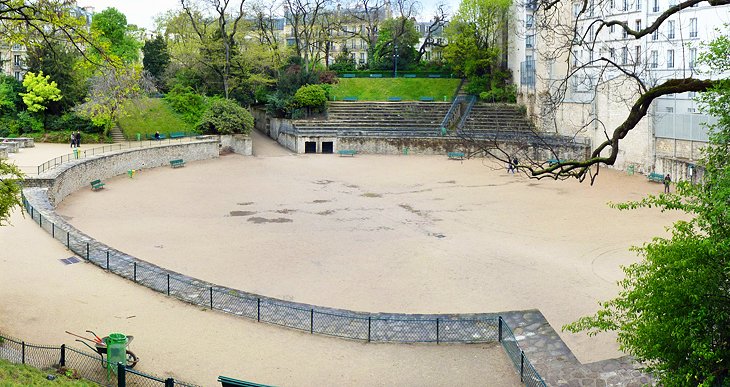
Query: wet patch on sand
[[245, 203], [371, 195], [318, 201], [285, 211], [323, 182], [325, 213], [411, 209], [352, 186], [448, 182], [242, 213], [259, 220]]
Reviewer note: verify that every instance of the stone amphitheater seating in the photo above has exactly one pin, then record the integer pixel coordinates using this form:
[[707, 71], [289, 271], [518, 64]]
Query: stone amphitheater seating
[[485, 117]]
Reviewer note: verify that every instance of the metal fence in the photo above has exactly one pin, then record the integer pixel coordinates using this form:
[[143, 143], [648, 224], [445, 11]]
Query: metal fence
[[528, 374], [78, 364], [78, 154], [313, 319]]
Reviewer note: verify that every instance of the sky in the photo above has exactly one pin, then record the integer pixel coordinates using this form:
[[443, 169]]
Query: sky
[[143, 12]]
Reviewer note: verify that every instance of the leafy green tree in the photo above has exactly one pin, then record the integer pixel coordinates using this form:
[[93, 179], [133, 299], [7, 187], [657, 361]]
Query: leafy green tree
[[344, 62], [476, 36], [114, 36], [156, 58], [185, 101], [10, 178], [10, 90], [311, 97], [225, 117], [673, 311], [40, 91], [58, 61], [398, 32]]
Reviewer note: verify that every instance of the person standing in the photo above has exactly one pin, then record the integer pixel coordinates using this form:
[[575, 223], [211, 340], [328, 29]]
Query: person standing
[[667, 181], [73, 140], [78, 138], [514, 164]]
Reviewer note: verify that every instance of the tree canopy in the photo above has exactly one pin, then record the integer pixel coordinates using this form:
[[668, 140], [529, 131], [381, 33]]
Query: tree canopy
[[112, 33], [40, 91]]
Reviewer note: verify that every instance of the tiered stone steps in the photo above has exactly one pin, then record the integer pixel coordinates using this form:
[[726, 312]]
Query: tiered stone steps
[[117, 135], [497, 117]]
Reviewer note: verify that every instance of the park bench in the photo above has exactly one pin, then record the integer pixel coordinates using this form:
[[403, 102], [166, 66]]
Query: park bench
[[456, 155], [394, 99], [177, 134], [230, 382], [350, 99], [347, 152], [424, 98], [151, 136], [656, 177], [96, 184], [348, 75], [409, 76], [434, 75], [553, 161], [376, 75], [177, 163]]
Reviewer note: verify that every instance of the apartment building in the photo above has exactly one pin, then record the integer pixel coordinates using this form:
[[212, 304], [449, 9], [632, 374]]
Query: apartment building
[[595, 97]]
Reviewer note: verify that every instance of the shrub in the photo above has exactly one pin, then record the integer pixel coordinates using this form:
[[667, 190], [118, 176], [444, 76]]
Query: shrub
[[225, 117], [26, 123], [73, 121], [186, 102], [311, 97]]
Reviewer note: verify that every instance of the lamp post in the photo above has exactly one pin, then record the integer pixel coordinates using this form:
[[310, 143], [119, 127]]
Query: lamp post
[[395, 61]]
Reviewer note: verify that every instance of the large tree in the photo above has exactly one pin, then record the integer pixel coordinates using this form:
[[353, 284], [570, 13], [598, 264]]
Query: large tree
[[673, 311], [397, 41], [115, 37], [55, 59], [156, 58]]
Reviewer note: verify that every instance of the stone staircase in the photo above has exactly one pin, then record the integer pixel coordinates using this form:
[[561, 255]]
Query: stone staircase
[[117, 135], [497, 117], [378, 118]]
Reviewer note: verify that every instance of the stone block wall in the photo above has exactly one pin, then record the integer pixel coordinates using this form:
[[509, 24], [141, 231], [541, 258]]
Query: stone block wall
[[239, 143], [67, 178], [3, 152]]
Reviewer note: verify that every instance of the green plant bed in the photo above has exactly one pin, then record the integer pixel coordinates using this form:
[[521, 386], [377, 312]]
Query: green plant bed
[[65, 137], [16, 375], [408, 89], [149, 115]]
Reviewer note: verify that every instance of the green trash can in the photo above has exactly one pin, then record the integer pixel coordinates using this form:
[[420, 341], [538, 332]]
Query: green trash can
[[76, 153], [139, 136], [630, 170], [405, 151], [116, 350]]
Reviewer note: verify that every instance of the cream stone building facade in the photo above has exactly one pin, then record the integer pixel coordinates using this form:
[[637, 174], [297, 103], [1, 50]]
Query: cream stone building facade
[[551, 64]]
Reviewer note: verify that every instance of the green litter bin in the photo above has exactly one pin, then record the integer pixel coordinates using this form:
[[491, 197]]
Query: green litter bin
[[76, 153], [116, 350], [139, 136], [630, 170]]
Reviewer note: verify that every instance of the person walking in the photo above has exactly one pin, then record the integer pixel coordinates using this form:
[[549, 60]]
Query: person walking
[[514, 164], [73, 140], [78, 139], [667, 181]]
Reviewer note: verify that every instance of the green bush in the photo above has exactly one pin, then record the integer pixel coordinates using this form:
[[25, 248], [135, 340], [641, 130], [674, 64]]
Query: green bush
[[72, 121], [311, 97], [186, 102], [499, 94], [26, 123], [225, 117]]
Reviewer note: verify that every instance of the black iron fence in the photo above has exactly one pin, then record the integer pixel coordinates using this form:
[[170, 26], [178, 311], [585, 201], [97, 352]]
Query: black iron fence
[[78, 364], [399, 328]]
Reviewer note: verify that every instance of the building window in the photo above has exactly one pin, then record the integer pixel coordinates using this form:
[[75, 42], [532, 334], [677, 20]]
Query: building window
[[613, 28], [693, 27], [530, 41], [590, 8], [625, 5], [638, 24], [624, 55], [655, 35], [529, 21], [670, 59], [624, 34], [612, 53], [638, 5], [362, 57], [428, 55], [654, 59], [16, 60], [655, 8], [17, 76], [590, 55], [612, 4], [576, 9], [692, 57], [637, 58], [575, 57], [670, 26], [669, 109], [691, 110]]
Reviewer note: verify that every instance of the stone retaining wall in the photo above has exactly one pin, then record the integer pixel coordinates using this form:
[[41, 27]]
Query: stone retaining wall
[[12, 146], [238, 143], [67, 178], [3, 152]]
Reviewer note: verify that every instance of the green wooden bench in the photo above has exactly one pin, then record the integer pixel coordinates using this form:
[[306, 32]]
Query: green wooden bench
[[347, 152], [394, 99], [96, 184], [434, 75], [409, 76], [350, 99], [426, 99], [656, 177], [553, 161], [230, 382], [348, 75], [376, 75], [177, 163], [456, 155], [176, 135]]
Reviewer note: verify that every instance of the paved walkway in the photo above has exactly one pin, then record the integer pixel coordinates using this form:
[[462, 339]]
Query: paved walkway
[[556, 363]]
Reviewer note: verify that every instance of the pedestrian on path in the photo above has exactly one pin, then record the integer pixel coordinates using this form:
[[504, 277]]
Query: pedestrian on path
[[667, 181]]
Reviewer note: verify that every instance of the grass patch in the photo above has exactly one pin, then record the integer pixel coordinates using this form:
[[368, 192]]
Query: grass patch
[[148, 115], [409, 89], [17, 375]]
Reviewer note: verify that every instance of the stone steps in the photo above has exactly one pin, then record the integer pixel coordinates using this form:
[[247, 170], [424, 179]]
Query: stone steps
[[117, 135]]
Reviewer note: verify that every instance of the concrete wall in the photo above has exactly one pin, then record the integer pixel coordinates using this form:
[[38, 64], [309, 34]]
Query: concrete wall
[[3, 152], [67, 178], [239, 143]]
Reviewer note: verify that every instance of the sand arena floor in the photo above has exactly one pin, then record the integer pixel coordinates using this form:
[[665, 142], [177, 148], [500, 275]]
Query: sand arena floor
[[418, 234]]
